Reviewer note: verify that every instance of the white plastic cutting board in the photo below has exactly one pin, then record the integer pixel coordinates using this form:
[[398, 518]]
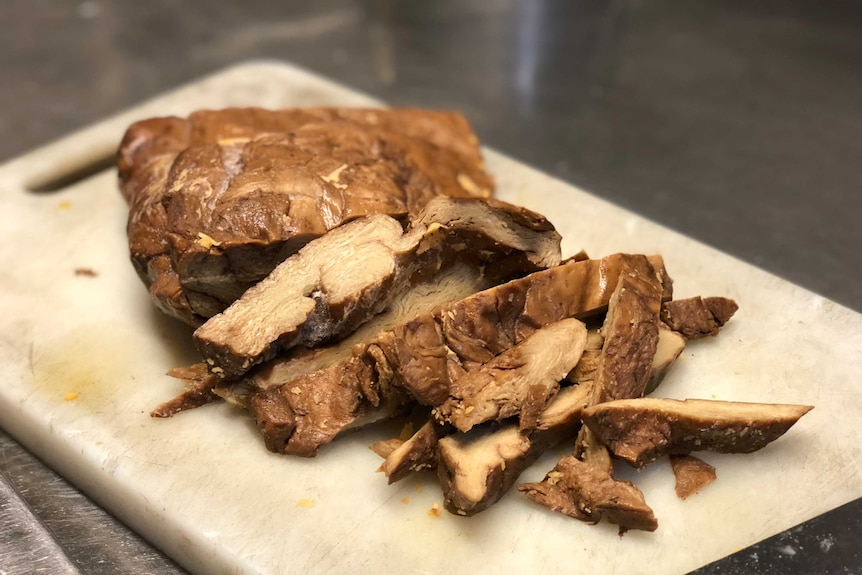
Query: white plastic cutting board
[[82, 359]]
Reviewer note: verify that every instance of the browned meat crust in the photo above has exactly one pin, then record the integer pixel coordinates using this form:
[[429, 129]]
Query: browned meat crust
[[698, 317], [218, 199], [631, 333], [691, 474], [584, 492], [641, 430]]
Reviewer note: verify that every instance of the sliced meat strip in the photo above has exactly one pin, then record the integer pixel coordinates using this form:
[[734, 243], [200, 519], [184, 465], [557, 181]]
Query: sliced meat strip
[[385, 448], [518, 382], [477, 329], [478, 467], [639, 431], [579, 490], [698, 317], [631, 332]]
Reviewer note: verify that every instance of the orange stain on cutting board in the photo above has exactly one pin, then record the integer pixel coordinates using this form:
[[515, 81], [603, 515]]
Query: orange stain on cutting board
[[89, 366]]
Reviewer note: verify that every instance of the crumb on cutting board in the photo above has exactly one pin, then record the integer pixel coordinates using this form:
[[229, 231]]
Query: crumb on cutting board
[[435, 510]]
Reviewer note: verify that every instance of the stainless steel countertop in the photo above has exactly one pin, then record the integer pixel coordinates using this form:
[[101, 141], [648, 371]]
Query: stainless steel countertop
[[736, 122]]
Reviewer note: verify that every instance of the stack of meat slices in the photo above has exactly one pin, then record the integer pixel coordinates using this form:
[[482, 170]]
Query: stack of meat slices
[[450, 303]]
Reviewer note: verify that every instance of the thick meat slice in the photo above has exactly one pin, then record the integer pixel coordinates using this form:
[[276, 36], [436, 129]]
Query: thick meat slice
[[219, 199], [641, 430], [631, 333], [339, 281], [299, 417], [584, 492], [698, 317], [418, 452], [691, 474], [478, 467], [519, 381]]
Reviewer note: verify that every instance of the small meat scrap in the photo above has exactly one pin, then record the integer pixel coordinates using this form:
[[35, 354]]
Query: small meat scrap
[[418, 452], [584, 492], [478, 467], [519, 381], [698, 317], [199, 390], [692, 474], [641, 430]]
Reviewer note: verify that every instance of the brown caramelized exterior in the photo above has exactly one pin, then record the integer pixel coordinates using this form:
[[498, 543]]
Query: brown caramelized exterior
[[218, 199]]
